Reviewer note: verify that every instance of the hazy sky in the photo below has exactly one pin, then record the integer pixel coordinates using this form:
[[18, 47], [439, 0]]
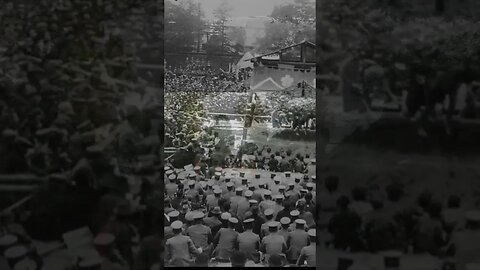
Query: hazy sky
[[242, 8]]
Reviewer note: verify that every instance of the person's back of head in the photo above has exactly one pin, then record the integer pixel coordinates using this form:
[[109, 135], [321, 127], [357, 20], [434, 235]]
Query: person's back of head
[[435, 209], [394, 192], [359, 194], [424, 200], [331, 183], [377, 204], [343, 202], [453, 201]]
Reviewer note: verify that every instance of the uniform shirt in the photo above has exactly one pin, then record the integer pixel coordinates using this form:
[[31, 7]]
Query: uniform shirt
[[308, 253], [234, 204], [212, 201], [276, 209], [275, 189], [308, 217], [257, 196], [229, 195], [248, 242], [264, 205], [171, 188], [273, 244], [242, 207], [201, 235], [226, 239], [168, 232], [297, 240], [211, 222], [264, 229], [180, 247], [285, 233], [194, 194]]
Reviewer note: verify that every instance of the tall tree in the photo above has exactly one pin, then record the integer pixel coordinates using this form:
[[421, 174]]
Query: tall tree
[[290, 24], [183, 24]]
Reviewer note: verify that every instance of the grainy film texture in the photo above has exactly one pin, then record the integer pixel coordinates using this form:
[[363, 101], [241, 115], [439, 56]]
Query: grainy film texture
[[240, 126]]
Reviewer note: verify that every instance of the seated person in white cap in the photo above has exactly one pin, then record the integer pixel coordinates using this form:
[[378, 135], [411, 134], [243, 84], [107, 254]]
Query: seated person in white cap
[[267, 203], [308, 253], [268, 218], [225, 241], [243, 205], [273, 243], [180, 247], [249, 242], [200, 234], [285, 227], [235, 199], [212, 199], [297, 239]]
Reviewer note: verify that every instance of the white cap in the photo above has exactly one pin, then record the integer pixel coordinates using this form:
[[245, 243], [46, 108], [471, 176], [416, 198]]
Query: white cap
[[177, 225]]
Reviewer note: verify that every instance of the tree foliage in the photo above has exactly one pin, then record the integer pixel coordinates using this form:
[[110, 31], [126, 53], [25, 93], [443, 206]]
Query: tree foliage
[[290, 24]]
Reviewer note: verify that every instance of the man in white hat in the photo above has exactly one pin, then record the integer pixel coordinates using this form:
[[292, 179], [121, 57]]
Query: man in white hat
[[297, 240], [168, 231], [268, 218], [285, 228], [229, 192], [309, 252], [275, 187], [249, 242], [194, 190], [225, 241], [243, 205], [213, 221], [235, 199], [294, 216], [212, 199], [273, 243], [278, 205], [180, 247], [200, 234], [267, 202], [255, 194], [466, 243], [171, 187]]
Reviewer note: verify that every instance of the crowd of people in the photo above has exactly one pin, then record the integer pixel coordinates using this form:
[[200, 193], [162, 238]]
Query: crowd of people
[[204, 79], [217, 215], [371, 219], [66, 70]]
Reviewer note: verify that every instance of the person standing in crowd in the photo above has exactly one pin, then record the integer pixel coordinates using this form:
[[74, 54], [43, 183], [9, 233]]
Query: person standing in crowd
[[180, 249], [273, 243], [225, 241], [268, 218], [200, 234], [249, 242], [297, 239], [308, 253]]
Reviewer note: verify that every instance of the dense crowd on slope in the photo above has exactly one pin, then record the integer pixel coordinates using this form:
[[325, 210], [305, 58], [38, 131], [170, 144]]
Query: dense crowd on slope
[[196, 78]]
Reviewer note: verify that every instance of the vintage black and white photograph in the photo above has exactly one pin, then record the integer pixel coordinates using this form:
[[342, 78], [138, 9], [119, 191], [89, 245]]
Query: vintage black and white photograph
[[80, 118], [240, 126], [399, 126]]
